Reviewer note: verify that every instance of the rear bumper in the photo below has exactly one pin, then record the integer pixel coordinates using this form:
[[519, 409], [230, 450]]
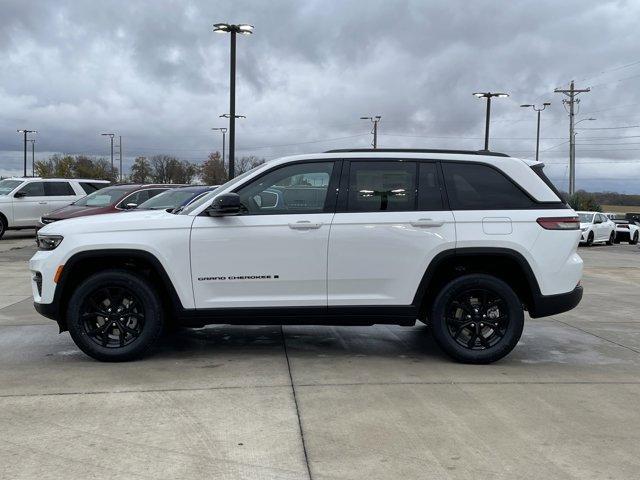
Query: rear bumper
[[545, 305]]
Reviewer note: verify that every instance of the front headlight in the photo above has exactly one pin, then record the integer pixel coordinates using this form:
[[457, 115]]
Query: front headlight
[[584, 229], [48, 242]]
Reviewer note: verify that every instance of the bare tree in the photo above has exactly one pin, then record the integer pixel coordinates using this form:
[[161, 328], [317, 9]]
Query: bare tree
[[212, 171]]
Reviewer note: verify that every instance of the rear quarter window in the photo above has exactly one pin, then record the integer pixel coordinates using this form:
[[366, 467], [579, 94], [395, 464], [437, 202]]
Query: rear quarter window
[[472, 186]]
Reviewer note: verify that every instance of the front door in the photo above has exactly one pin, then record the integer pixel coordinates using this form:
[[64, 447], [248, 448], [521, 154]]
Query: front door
[[390, 223], [29, 204], [273, 254]]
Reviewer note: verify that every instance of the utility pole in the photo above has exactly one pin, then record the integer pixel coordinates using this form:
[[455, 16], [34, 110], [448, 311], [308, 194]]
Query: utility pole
[[571, 93], [375, 121], [120, 148], [26, 132], [110, 135]]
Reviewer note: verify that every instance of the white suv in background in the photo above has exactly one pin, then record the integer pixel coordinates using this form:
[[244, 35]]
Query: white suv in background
[[596, 227], [462, 240], [24, 200]]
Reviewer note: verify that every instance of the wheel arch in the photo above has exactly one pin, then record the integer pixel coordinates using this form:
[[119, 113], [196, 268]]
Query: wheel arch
[[84, 264], [506, 264]]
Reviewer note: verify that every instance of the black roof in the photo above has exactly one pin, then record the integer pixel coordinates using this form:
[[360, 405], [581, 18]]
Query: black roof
[[417, 150]]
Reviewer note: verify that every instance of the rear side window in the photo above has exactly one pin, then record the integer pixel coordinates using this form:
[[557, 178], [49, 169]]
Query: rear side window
[[471, 186], [58, 189], [382, 186], [90, 187], [538, 169], [429, 195]]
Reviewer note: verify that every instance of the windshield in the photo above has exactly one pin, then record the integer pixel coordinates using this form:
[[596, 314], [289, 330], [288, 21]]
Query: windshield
[[6, 186], [205, 198], [585, 217], [169, 199], [103, 197]]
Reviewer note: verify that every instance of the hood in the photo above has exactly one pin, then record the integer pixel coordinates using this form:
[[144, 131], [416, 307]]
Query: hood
[[72, 211], [115, 222]]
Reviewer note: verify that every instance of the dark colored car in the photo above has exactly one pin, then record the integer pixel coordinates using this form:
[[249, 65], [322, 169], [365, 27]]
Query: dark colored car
[[175, 198], [106, 200]]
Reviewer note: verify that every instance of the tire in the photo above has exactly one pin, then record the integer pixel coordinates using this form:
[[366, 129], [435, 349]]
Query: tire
[[590, 239], [634, 241], [3, 226], [113, 336], [612, 238], [457, 318]]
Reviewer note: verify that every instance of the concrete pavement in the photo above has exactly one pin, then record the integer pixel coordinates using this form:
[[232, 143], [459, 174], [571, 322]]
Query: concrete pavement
[[331, 403]]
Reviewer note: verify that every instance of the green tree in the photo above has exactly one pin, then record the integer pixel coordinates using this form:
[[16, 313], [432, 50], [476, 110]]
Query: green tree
[[213, 171], [584, 201], [141, 171]]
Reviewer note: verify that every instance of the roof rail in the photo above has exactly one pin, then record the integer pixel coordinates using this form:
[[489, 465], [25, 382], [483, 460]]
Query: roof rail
[[417, 150]]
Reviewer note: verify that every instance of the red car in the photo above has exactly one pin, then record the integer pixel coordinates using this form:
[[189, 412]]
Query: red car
[[106, 200]]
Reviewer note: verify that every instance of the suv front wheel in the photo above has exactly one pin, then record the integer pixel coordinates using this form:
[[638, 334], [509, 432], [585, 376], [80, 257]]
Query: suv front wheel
[[477, 318], [115, 316]]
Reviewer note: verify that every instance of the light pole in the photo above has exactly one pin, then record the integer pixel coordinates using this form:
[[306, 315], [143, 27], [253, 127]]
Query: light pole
[[572, 156], [375, 121], [488, 96], [224, 136], [26, 132], [33, 156], [243, 29], [110, 135], [537, 109]]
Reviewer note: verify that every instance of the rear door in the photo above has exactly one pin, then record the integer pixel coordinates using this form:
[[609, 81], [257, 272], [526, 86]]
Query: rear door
[[390, 223], [59, 194]]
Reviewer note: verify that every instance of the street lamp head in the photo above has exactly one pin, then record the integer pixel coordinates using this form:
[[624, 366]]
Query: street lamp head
[[108, 134], [245, 29], [546, 104], [24, 130], [526, 105], [221, 28], [500, 95], [365, 118], [480, 94]]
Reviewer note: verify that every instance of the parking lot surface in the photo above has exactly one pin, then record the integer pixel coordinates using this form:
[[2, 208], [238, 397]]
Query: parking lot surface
[[327, 403]]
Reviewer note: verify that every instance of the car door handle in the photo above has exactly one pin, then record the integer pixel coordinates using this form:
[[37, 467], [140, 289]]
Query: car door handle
[[427, 222], [42, 203], [304, 225]]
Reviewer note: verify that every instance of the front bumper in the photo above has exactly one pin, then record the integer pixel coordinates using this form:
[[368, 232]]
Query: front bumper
[[49, 310], [545, 305]]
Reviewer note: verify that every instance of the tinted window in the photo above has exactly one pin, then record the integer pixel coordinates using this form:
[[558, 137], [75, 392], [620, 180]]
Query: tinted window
[[382, 186], [479, 187], [33, 189], [586, 217], [139, 197], [58, 189], [300, 188], [90, 187], [429, 196]]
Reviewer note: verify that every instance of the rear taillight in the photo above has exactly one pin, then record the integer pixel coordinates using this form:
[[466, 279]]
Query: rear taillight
[[559, 223]]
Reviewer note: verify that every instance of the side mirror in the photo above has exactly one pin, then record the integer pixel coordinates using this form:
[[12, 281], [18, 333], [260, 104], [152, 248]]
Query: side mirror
[[20, 194], [225, 204], [131, 206]]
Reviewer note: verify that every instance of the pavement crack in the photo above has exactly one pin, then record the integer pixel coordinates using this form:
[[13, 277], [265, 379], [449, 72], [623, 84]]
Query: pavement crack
[[295, 401], [597, 336]]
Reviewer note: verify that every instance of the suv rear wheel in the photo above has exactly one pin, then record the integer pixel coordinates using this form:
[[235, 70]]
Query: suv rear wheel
[[612, 238], [477, 319], [3, 226], [115, 316]]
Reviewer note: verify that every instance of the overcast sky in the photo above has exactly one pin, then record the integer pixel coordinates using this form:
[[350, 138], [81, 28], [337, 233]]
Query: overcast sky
[[153, 72]]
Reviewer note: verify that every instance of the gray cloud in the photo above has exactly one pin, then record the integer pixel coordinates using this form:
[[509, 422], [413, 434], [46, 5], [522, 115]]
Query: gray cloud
[[155, 73]]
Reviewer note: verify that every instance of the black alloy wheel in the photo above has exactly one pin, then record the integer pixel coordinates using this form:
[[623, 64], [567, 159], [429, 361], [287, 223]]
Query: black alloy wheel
[[612, 238], [115, 316], [477, 318], [635, 239], [112, 317]]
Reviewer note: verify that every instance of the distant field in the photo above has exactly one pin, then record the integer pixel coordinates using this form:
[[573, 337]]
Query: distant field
[[621, 208]]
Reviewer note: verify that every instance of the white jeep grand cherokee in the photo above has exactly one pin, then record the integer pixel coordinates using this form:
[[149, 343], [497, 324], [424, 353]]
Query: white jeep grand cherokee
[[462, 240]]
